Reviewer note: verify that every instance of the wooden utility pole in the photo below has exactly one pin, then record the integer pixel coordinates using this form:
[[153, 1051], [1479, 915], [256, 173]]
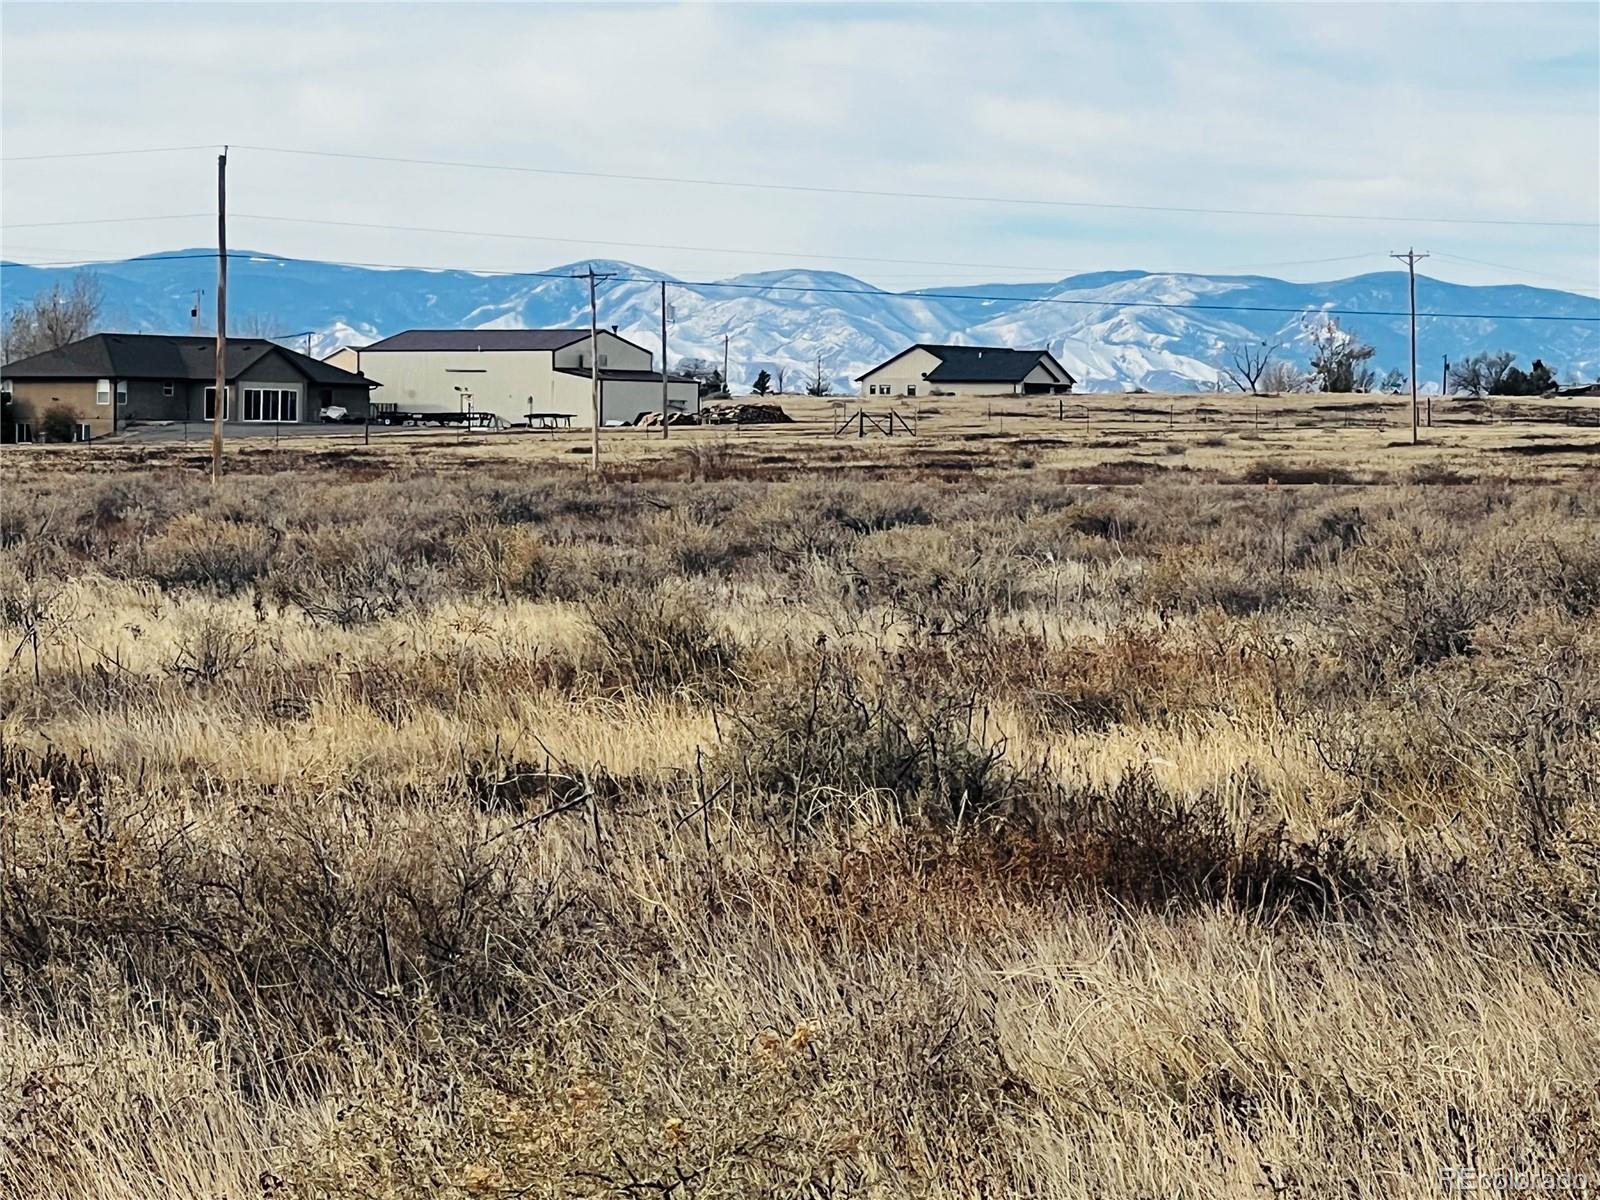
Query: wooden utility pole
[[663, 359], [594, 376], [727, 388], [220, 407], [1410, 258]]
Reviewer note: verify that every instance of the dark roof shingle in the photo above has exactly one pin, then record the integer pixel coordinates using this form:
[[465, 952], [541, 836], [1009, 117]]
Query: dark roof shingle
[[479, 339], [166, 356], [979, 364], [621, 374]]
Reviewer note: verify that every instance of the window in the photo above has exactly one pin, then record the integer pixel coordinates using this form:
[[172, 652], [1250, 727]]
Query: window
[[169, 389], [211, 403], [603, 359], [122, 393], [102, 392], [276, 403], [5, 388], [24, 431], [80, 433], [911, 389]]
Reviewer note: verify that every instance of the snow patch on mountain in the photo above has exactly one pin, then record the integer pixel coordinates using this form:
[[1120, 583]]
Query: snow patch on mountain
[[1115, 330]]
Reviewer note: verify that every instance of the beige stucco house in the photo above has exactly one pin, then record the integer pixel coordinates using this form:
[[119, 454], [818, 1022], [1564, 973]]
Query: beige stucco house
[[513, 373], [924, 370]]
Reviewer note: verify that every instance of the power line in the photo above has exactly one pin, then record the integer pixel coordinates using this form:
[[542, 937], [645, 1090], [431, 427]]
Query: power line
[[588, 241], [818, 189], [1481, 262], [1159, 304], [800, 254], [870, 291], [580, 241], [101, 221], [102, 153]]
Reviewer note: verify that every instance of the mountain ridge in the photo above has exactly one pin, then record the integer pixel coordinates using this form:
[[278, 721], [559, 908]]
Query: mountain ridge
[[1115, 330]]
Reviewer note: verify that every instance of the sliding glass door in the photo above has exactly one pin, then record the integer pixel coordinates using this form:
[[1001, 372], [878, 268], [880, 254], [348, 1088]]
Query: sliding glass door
[[271, 403]]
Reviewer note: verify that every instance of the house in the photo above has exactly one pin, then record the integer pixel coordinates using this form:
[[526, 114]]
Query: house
[[517, 372], [924, 370], [110, 381]]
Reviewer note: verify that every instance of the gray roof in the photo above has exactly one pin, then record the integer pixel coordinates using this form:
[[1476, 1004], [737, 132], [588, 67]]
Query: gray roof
[[980, 364], [167, 356], [480, 339]]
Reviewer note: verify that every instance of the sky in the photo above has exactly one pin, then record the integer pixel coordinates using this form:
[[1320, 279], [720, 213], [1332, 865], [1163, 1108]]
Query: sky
[[1405, 113]]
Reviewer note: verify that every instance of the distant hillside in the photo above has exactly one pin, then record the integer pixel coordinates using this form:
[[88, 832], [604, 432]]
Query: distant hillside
[[1113, 329]]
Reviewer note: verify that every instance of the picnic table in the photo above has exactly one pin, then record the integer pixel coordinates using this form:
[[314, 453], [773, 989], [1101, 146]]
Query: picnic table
[[549, 420]]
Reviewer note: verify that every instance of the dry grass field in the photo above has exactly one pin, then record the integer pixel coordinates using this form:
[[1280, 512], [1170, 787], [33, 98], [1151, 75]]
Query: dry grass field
[[1183, 799]]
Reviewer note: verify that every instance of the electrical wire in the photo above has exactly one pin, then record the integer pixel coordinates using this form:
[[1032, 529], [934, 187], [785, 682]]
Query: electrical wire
[[1480, 262], [808, 256], [101, 221], [878, 292], [102, 153], [818, 189]]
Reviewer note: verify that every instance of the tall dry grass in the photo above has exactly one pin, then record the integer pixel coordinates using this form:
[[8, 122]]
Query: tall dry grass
[[454, 836]]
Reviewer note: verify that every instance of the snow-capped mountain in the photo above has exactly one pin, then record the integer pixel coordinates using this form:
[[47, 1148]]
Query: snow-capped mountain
[[1114, 329]]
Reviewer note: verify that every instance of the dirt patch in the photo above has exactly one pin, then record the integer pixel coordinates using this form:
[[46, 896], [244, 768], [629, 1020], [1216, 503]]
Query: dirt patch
[[1530, 450], [1121, 470], [1294, 473]]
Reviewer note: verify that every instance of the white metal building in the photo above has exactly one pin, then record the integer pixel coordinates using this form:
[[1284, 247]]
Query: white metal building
[[517, 372]]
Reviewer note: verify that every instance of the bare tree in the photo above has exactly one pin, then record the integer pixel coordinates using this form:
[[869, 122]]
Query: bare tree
[[53, 318], [819, 384], [1496, 368], [1467, 376], [1339, 358], [1283, 377], [1247, 363], [1482, 374], [257, 325]]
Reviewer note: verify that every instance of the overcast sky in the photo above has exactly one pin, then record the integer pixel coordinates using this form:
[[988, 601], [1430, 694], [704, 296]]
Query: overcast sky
[[1396, 111]]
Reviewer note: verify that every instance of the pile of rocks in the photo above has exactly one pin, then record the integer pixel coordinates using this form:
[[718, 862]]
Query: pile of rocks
[[743, 413]]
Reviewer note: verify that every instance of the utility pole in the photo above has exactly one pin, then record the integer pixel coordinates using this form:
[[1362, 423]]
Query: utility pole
[[663, 360], [727, 388], [1410, 258], [594, 376], [1444, 386], [221, 406]]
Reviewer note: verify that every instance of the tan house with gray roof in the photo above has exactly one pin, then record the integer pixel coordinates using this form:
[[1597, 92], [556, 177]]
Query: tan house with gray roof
[[928, 370]]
